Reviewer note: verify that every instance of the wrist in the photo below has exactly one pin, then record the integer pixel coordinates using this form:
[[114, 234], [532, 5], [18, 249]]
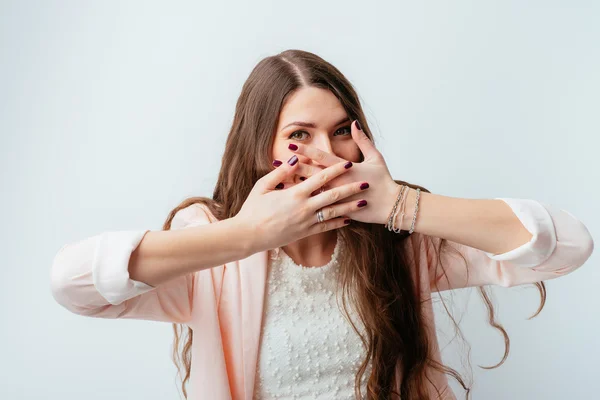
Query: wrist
[[392, 194], [409, 209], [246, 237]]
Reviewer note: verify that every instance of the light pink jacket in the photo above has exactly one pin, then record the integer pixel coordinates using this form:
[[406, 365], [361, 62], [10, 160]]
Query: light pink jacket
[[224, 304]]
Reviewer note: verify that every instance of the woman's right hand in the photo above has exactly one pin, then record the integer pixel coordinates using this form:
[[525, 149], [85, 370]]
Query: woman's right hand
[[276, 216]]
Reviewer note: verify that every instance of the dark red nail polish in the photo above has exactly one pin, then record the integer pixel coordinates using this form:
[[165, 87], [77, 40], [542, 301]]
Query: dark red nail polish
[[277, 163], [362, 203], [293, 160], [348, 164], [280, 186], [292, 146], [364, 186], [302, 178], [358, 125], [347, 221]]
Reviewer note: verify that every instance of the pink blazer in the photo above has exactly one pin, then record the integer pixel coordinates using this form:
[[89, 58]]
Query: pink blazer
[[224, 304]]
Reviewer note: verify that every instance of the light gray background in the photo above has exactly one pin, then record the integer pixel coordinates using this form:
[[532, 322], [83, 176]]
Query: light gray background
[[113, 112]]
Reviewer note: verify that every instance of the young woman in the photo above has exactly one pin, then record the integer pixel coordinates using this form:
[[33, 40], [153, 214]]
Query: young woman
[[309, 272]]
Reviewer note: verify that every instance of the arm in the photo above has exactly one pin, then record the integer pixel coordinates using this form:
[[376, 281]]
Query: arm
[[143, 274], [504, 242], [488, 225], [164, 255]]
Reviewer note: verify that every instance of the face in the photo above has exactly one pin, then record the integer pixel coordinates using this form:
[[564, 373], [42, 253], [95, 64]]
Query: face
[[315, 117]]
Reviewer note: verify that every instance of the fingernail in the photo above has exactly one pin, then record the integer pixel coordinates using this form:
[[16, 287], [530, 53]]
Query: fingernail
[[280, 186], [362, 203], [347, 221], [364, 186], [348, 164], [358, 125], [277, 163], [292, 146], [293, 160], [302, 178]]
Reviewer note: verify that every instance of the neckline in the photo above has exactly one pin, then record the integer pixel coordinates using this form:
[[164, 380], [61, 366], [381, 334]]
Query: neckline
[[284, 257]]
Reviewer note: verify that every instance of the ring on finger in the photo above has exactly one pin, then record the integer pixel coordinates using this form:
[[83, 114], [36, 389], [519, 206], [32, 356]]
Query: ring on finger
[[320, 216]]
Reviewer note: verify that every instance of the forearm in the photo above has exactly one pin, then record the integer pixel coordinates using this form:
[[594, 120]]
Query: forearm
[[485, 224], [164, 255]]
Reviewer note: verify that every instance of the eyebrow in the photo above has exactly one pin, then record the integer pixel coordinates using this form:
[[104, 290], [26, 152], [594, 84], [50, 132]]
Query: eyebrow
[[312, 124]]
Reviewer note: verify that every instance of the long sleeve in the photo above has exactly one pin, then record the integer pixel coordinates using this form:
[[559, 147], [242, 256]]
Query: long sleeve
[[560, 243], [90, 277]]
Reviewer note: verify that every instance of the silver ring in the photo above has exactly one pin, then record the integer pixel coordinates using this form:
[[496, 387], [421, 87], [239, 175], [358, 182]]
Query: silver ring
[[320, 216]]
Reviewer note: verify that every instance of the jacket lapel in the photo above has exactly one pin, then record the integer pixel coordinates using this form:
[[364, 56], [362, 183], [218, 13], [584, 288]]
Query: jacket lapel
[[253, 276]]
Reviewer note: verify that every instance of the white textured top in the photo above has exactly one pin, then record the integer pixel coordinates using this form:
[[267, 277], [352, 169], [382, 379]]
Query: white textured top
[[90, 277], [308, 349]]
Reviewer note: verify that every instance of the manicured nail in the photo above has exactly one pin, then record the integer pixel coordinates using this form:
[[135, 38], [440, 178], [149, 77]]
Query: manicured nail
[[364, 186], [302, 178], [362, 203], [293, 160], [348, 164], [358, 125], [277, 163], [347, 221], [280, 186], [292, 146]]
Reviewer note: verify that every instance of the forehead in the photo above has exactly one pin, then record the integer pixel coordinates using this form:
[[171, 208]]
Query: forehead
[[311, 104]]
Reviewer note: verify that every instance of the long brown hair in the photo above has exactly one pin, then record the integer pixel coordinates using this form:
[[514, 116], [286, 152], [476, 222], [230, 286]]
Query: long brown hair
[[377, 273]]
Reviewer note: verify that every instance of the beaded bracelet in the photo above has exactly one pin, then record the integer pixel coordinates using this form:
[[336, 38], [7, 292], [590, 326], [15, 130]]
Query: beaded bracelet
[[401, 207], [390, 222], [412, 226], [402, 198]]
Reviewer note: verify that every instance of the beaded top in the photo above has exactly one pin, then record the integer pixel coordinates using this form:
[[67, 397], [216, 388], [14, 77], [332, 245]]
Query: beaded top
[[308, 349]]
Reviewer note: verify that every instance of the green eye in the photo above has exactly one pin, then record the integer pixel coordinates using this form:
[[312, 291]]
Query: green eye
[[293, 135], [347, 130]]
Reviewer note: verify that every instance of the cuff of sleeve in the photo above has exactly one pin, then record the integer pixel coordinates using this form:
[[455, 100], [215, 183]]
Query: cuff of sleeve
[[110, 266], [537, 220]]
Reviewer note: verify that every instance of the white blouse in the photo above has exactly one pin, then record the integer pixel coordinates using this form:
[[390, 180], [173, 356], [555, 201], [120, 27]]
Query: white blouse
[[307, 349]]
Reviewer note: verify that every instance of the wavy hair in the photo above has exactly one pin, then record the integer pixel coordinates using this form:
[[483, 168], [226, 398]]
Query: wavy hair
[[377, 273]]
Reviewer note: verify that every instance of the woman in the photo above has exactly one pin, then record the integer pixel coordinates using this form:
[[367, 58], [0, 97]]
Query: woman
[[358, 321]]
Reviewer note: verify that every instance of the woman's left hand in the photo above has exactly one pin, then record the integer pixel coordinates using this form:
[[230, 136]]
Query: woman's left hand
[[382, 191]]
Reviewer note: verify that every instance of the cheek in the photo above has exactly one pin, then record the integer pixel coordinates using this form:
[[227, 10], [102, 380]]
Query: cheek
[[279, 152], [348, 151]]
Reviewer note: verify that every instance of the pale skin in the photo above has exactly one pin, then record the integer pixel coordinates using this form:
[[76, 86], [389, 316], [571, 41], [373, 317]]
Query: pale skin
[[489, 225], [328, 152]]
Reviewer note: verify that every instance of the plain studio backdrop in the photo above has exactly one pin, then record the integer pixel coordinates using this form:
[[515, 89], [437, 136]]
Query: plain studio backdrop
[[111, 113]]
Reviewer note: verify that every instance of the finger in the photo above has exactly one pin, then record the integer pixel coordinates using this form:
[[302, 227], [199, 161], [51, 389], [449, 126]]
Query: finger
[[320, 156], [322, 177], [331, 196], [273, 179], [306, 170], [332, 224], [337, 210], [363, 142]]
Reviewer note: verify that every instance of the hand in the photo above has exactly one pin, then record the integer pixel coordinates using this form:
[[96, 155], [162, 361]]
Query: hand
[[276, 218], [373, 170]]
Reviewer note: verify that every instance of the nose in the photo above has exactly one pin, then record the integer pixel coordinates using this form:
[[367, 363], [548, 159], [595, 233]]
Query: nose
[[323, 143]]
